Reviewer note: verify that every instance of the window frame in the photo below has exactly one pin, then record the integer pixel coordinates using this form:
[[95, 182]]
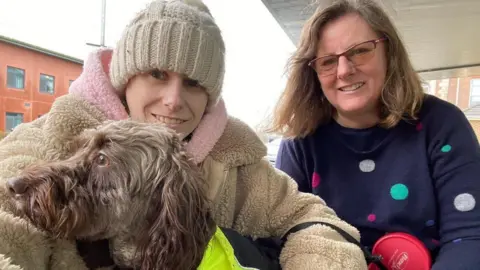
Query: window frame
[[40, 84], [24, 77], [16, 114], [474, 83]]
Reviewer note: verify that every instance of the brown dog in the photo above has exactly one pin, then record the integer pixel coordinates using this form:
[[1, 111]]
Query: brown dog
[[127, 181]]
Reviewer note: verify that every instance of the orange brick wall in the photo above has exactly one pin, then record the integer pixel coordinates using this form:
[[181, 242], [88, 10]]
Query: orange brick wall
[[452, 90], [462, 100], [476, 127], [29, 100]]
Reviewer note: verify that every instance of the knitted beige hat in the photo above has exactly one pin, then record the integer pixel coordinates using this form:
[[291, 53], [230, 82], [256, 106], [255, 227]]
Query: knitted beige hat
[[177, 35]]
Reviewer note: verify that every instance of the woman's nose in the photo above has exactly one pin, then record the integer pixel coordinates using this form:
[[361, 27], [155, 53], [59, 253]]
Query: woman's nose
[[345, 68], [173, 96], [17, 186]]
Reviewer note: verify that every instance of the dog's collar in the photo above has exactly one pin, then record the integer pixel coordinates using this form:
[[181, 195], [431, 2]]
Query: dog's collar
[[219, 254]]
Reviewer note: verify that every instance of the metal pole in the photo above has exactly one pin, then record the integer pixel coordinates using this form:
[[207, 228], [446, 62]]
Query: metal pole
[[102, 24], [449, 68]]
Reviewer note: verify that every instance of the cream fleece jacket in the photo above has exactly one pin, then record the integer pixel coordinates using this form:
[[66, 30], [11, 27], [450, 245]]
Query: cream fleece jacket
[[250, 195]]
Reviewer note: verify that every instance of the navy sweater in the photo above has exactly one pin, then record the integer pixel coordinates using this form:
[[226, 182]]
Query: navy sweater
[[421, 177]]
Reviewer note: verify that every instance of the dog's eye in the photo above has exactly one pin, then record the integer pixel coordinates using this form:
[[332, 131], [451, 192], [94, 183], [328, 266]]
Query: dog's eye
[[102, 160]]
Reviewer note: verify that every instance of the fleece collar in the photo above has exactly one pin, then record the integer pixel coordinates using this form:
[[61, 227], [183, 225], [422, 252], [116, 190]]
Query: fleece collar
[[95, 87], [239, 145]]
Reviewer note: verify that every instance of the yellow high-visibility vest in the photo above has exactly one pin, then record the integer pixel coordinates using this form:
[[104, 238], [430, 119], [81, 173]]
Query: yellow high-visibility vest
[[219, 255]]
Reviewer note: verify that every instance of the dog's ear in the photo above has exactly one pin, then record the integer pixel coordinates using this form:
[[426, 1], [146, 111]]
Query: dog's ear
[[179, 220], [81, 140]]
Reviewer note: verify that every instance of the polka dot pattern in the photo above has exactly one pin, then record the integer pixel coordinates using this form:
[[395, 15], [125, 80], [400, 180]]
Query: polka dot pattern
[[419, 126], [372, 217], [315, 180], [430, 223], [458, 240], [435, 242], [399, 192], [367, 165], [446, 148], [464, 202]]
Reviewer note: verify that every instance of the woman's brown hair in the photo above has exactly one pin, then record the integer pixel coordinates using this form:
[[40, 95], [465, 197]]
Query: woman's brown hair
[[302, 107]]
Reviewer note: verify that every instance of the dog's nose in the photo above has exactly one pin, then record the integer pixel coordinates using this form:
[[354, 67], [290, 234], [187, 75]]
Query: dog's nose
[[17, 185]]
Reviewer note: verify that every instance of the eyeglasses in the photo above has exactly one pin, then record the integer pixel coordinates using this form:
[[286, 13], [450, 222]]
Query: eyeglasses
[[358, 55]]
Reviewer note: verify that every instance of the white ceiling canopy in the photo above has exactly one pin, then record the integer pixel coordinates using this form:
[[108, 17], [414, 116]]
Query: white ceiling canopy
[[441, 36]]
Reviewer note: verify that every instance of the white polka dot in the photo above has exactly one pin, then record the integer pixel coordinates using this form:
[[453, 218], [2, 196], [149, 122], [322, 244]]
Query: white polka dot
[[464, 202], [367, 165]]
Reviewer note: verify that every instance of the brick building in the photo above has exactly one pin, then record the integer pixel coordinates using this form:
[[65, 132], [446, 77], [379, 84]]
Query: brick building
[[464, 93], [30, 80]]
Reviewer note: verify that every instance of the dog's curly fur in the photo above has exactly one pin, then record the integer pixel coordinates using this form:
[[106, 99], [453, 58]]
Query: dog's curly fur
[[129, 180]]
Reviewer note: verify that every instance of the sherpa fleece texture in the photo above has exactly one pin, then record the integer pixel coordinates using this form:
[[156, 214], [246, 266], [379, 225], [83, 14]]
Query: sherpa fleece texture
[[250, 195]]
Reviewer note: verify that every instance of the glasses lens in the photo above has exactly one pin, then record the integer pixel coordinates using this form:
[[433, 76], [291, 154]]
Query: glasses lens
[[326, 65], [361, 53]]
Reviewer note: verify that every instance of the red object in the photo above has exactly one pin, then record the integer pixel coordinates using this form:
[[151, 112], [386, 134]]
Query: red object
[[401, 251]]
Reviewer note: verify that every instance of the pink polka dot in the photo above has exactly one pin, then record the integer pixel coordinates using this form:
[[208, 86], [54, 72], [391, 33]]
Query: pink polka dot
[[435, 242], [315, 180], [419, 126], [372, 217]]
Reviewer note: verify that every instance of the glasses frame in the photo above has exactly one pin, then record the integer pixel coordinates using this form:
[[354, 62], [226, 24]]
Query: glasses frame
[[374, 41]]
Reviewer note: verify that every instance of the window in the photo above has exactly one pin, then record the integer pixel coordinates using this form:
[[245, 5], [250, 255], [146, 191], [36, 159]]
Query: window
[[13, 120], [474, 92], [15, 78], [429, 87], [47, 84]]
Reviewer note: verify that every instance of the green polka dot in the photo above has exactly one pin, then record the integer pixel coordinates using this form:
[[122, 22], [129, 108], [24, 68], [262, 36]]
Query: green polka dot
[[399, 192], [446, 148]]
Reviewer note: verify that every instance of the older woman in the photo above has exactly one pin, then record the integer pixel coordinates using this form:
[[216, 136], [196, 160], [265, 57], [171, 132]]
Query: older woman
[[168, 68], [364, 137]]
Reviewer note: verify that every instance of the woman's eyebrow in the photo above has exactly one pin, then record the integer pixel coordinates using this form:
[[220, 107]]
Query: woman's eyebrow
[[348, 48]]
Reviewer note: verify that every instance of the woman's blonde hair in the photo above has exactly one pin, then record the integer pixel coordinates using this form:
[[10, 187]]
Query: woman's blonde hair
[[303, 107]]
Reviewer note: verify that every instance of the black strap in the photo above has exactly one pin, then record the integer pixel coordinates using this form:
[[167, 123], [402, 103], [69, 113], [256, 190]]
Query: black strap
[[122, 268], [261, 253], [369, 257], [96, 254]]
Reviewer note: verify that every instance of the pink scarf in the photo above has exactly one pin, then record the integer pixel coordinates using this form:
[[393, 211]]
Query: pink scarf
[[94, 86]]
